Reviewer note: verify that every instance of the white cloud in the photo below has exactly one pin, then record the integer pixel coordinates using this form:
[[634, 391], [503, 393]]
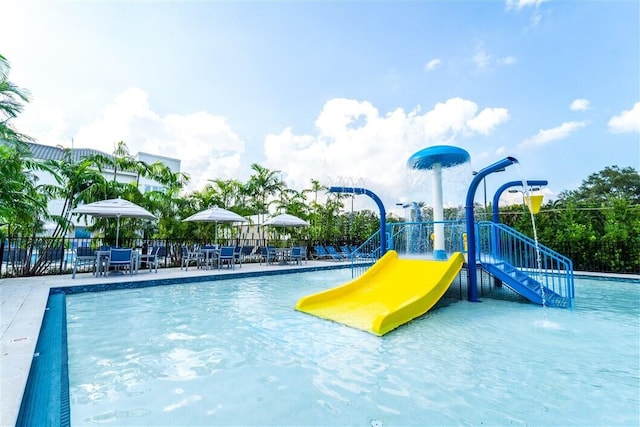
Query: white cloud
[[482, 59], [521, 4], [544, 136], [46, 124], [355, 141], [626, 121], [488, 119], [580, 105], [433, 64], [206, 145], [507, 60]]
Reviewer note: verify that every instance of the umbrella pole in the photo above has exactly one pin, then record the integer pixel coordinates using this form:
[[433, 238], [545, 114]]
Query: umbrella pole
[[117, 231]]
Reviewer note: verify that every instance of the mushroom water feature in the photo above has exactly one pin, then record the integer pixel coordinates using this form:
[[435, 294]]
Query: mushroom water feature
[[436, 158]]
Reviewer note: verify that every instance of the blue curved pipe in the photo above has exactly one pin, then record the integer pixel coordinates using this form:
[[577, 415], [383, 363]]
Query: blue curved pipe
[[472, 285], [383, 213], [495, 213]]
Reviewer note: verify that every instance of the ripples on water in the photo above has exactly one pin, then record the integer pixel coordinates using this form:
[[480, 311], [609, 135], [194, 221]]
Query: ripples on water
[[237, 353]]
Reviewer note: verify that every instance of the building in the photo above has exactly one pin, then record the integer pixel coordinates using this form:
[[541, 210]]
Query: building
[[47, 152]]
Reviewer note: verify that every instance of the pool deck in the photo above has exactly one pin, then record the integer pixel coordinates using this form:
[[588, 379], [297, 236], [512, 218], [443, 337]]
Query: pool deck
[[24, 300]]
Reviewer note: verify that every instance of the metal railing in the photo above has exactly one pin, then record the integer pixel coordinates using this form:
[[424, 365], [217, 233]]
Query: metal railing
[[366, 255], [36, 256], [501, 245], [416, 238]]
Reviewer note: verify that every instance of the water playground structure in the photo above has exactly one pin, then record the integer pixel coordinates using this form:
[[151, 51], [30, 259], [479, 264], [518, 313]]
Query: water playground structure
[[390, 289]]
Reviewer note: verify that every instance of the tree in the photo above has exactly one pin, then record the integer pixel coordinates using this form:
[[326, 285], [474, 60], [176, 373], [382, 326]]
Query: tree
[[22, 205], [597, 224], [601, 187], [77, 181], [263, 185]]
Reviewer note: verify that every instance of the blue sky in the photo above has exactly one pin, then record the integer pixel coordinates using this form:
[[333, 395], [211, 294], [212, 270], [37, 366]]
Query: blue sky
[[343, 92]]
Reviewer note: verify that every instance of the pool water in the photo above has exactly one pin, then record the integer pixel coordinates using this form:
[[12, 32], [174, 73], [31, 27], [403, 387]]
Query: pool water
[[235, 352]]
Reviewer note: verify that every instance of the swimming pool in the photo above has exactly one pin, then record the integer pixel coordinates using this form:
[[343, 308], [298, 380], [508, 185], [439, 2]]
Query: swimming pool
[[235, 352]]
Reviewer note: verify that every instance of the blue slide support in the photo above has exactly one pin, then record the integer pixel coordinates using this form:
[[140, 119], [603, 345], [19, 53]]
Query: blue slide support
[[383, 212], [472, 289]]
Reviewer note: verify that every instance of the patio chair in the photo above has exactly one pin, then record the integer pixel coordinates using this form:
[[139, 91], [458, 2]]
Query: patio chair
[[84, 256], [119, 257], [237, 255], [296, 255], [267, 254], [303, 254], [190, 256], [227, 256], [151, 258]]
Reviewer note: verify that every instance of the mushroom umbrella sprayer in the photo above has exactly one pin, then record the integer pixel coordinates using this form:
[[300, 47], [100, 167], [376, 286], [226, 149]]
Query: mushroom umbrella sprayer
[[436, 158]]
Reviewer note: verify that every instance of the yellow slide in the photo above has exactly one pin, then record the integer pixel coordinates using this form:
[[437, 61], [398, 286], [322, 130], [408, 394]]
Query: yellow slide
[[392, 292]]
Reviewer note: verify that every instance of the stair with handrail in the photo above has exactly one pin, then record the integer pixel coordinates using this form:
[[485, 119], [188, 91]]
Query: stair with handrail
[[536, 272]]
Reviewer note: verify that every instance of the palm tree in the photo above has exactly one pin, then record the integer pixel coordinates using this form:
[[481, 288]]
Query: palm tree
[[77, 181], [12, 98], [264, 184], [21, 203]]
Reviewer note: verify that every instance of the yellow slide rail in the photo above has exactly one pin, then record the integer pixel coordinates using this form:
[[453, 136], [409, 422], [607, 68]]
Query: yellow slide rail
[[392, 292]]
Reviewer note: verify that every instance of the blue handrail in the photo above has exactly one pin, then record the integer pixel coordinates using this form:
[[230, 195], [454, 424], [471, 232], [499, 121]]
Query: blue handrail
[[532, 269]]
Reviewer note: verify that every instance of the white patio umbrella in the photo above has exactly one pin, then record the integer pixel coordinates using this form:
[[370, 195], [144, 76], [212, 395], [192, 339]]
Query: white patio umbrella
[[216, 214], [286, 220], [114, 208]]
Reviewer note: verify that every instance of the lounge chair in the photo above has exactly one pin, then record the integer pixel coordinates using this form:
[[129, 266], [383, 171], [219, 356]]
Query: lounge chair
[[15, 258], [334, 254], [346, 252], [246, 253], [359, 254], [321, 252], [53, 257]]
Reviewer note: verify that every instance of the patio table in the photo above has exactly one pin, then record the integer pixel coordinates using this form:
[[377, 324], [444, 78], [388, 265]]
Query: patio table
[[210, 256], [282, 254]]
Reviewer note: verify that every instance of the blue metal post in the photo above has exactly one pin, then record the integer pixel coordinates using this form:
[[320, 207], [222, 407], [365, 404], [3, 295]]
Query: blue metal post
[[383, 212], [472, 286]]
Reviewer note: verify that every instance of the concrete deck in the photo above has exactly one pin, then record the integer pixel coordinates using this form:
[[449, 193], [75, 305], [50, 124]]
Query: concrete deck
[[24, 301]]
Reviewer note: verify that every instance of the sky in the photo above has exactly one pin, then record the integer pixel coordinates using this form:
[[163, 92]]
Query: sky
[[341, 92]]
